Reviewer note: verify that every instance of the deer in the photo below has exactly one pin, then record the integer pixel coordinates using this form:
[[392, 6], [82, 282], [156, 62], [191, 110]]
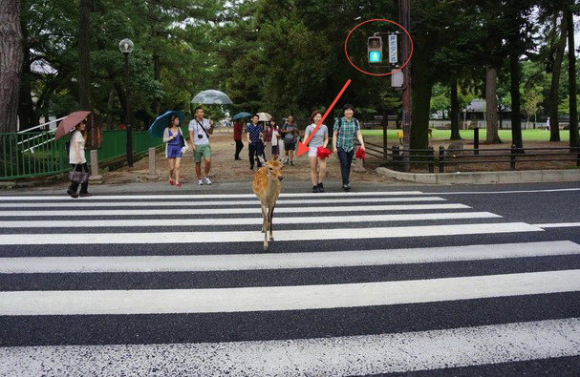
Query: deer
[[267, 185]]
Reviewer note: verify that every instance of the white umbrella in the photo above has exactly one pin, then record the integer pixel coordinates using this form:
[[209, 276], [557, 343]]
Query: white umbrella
[[212, 97], [264, 117]]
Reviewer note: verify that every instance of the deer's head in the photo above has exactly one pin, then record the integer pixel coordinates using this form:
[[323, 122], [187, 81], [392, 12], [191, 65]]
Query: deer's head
[[274, 170]]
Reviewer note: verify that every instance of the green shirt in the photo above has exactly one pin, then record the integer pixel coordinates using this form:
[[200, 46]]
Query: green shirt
[[346, 134]]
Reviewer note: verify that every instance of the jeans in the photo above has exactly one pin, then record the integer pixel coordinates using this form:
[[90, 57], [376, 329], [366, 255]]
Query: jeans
[[255, 151], [239, 147], [345, 163], [84, 186]]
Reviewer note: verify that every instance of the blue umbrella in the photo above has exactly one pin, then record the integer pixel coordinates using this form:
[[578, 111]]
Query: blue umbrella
[[158, 126], [241, 115]]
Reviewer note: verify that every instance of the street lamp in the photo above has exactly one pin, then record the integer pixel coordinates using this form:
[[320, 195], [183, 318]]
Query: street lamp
[[126, 47]]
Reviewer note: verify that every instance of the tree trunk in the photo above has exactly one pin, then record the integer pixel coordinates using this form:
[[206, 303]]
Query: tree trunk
[[10, 63], [26, 111], [555, 84], [110, 103], [515, 81], [574, 137], [491, 106], [84, 55], [455, 114], [422, 89]]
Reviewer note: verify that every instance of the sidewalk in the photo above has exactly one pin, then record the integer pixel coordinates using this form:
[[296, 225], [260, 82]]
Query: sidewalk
[[229, 176]]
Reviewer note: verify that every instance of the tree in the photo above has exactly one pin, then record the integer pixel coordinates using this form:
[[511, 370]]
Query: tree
[[10, 63], [492, 136], [84, 54], [574, 137]]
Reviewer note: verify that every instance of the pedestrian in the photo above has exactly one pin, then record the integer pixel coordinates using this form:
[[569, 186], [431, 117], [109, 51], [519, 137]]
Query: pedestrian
[[345, 130], [238, 128], [319, 139], [289, 131], [174, 141], [78, 160], [199, 131], [271, 134], [275, 141], [254, 134]]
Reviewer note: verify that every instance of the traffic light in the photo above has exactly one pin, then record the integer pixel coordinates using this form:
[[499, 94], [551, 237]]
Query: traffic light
[[375, 49]]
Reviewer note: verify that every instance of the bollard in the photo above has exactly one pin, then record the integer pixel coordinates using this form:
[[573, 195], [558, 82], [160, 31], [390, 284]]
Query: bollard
[[95, 166], [476, 140], [431, 160], [152, 167], [513, 157], [396, 157], [441, 159]]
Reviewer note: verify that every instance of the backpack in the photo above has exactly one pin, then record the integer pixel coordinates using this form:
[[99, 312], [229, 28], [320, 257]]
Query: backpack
[[340, 124]]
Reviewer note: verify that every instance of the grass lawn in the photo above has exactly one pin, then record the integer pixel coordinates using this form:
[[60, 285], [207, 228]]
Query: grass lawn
[[505, 135]]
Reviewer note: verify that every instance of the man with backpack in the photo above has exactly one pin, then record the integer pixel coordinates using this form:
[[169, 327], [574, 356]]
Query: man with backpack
[[345, 129]]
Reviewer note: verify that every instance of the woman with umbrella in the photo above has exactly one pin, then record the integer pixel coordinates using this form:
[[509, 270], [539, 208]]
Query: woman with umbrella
[[238, 131], [173, 137], [78, 160]]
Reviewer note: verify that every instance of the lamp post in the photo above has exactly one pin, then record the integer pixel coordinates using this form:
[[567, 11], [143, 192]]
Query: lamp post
[[126, 47]]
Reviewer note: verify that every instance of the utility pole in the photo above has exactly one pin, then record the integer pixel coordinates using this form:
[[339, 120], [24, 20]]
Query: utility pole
[[405, 21]]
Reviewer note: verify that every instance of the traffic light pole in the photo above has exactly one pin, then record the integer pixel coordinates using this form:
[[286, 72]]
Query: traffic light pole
[[129, 139], [405, 21]]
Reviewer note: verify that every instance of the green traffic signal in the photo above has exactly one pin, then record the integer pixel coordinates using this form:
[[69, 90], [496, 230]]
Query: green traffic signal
[[375, 57]]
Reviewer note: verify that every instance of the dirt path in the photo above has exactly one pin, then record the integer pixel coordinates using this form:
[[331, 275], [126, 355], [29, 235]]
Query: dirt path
[[225, 168]]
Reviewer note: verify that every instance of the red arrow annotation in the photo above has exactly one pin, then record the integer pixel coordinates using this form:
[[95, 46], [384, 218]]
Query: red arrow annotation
[[303, 148]]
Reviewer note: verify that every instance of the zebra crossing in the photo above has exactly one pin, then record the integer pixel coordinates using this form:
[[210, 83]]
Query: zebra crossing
[[354, 284]]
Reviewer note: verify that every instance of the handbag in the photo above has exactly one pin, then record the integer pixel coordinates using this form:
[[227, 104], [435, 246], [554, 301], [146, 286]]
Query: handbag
[[181, 140], [76, 176]]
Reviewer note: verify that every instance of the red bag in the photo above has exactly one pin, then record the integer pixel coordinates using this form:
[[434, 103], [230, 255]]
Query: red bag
[[322, 152], [360, 154]]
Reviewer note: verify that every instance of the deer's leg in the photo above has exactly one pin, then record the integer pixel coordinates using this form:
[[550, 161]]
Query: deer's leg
[[264, 219], [270, 216]]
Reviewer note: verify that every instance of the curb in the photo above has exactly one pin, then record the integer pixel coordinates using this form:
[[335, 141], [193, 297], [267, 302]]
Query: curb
[[528, 176]]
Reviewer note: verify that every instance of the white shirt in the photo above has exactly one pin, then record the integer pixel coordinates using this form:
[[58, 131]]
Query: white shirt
[[78, 139], [196, 127], [275, 136]]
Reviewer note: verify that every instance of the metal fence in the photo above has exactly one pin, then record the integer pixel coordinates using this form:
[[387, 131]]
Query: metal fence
[[34, 154], [499, 157]]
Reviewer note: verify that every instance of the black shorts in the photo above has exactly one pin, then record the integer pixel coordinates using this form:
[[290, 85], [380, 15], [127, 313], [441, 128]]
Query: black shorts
[[289, 146]]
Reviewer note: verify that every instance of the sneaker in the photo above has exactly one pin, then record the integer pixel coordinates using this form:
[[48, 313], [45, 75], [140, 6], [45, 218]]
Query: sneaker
[[85, 194], [320, 187], [171, 182], [72, 193], [346, 187], [314, 188], [178, 185], [251, 168], [207, 181], [199, 182], [291, 162]]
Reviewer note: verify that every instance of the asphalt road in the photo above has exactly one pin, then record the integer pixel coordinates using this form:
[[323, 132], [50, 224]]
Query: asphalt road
[[385, 280]]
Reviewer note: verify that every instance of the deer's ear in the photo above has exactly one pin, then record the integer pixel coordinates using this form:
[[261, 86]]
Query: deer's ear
[[275, 158]]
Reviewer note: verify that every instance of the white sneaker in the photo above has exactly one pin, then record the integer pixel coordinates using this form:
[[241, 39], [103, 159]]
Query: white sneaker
[[199, 182], [207, 181]]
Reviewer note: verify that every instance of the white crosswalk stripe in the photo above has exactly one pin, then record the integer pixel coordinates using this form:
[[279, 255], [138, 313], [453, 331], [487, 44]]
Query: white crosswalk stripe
[[194, 261]]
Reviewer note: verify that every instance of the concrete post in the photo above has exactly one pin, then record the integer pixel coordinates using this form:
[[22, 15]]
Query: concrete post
[[152, 166], [95, 176], [359, 165]]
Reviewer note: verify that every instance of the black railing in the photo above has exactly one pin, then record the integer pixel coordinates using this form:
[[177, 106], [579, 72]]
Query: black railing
[[446, 157]]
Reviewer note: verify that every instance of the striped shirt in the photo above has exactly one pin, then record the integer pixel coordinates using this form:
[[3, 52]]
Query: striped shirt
[[346, 134]]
